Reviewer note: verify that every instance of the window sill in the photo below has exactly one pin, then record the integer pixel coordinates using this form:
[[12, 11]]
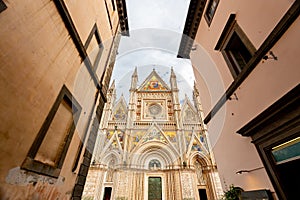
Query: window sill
[[40, 168]]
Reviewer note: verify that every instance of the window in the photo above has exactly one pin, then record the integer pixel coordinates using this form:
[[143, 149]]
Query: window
[[2, 6], [211, 10], [94, 47], [236, 48], [48, 151], [154, 164]]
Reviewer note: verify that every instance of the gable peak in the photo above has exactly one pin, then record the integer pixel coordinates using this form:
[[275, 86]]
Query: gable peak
[[154, 83]]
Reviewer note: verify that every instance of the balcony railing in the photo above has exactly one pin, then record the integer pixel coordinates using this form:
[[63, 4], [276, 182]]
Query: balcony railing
[[162, 125]]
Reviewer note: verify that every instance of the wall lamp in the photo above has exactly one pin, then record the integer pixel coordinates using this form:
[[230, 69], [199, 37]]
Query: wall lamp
[[270, 56], [233, 97], [247, 171]]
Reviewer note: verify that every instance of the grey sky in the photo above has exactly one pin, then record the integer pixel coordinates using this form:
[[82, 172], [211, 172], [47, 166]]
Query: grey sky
[[155, 32], [160, 14]]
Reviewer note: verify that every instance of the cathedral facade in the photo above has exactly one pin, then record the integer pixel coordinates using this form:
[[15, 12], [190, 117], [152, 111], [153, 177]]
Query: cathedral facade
[[153, 147]]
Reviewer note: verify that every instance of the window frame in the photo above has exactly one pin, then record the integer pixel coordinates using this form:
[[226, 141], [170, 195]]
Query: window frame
[[229, 30], [33, 165], [95, 32], [277, 124], [2, 6], [209, 6]]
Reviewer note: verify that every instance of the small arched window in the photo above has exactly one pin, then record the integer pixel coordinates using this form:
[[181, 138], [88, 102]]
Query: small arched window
[[154, 164]]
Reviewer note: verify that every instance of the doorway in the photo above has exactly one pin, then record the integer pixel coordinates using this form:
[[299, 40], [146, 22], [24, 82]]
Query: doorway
[[107, 193], [202, 194], [154, 188]]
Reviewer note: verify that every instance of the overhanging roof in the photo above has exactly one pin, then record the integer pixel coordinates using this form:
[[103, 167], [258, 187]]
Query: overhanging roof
[[192, 22]]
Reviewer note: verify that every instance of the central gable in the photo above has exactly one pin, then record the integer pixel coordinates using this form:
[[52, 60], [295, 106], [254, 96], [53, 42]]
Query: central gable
[[154, 83]]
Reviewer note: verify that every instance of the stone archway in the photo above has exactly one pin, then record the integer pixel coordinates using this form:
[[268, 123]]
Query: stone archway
[[164, 153], [204, 173]]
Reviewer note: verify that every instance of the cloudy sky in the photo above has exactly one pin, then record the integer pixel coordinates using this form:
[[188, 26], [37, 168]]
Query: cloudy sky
[[155, 32]]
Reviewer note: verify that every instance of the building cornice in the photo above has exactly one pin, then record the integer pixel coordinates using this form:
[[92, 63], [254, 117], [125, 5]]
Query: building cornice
[[123, 18], [192, 22]]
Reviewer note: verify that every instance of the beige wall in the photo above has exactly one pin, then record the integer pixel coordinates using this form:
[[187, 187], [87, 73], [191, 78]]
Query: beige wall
[[38, 56], [269, 81]]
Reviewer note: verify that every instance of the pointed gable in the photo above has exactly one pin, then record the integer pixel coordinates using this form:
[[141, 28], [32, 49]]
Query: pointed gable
[[197, 144], [114, 142], [189, 113], [120, 110], [154, 83], [154, 133]]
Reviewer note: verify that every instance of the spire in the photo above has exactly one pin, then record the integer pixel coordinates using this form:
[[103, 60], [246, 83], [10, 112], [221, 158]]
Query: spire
[[111, 94], [112, 86], [173, 73], [135, 72], [195, 91], [173, 80], [134, 79]]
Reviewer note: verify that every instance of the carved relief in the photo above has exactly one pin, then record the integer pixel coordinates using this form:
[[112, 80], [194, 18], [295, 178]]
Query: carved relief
[[200, 178], [122, 183], [187, 185]]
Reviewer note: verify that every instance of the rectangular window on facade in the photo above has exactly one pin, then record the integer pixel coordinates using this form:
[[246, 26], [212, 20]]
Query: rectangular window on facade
[[2, 6], [287, 151], [47, 153], [113, 5], [211, 10], [235, 47], [94, 47]]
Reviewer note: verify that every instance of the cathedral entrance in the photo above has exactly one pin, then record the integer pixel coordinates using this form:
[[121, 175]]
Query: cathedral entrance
[[154, 188]]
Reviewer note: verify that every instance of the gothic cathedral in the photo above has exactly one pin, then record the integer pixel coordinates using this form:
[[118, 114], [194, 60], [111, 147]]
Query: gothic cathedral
[[153, 148]]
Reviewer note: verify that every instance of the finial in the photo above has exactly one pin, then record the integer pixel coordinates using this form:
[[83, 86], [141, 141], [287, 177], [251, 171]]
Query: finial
[[135, 72], [172, 72], [196, 92]]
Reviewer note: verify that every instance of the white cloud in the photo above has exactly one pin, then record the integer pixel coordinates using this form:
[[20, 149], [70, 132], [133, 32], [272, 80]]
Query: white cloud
[[155, 33], [167, 14]]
